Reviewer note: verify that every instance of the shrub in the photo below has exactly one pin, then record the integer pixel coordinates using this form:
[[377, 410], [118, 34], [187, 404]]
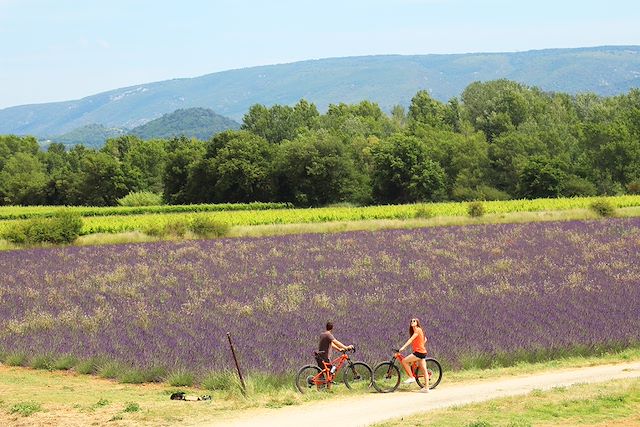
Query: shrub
[[475, 209], [576, 186], [175, 228], [155, 230], [141, 198], [63, 227], [208, 227], [603, 208], [633, 187], [423, 212]]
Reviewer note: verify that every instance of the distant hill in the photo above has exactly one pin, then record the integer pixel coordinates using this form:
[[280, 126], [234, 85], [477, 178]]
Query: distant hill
[[201, 123], [387, 80], [93, 135]]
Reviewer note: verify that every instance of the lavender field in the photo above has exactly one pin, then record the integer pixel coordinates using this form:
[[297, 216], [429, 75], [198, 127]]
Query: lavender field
[[479, 291]]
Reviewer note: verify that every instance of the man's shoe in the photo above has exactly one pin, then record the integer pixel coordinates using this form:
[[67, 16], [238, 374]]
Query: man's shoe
[[410, 380], [424, 390]]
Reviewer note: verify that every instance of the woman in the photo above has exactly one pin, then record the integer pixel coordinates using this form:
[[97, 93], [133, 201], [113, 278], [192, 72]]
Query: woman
[[418, 342]]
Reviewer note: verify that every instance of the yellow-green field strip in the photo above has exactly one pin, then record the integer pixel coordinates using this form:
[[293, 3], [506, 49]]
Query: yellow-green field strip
[[142, 222]]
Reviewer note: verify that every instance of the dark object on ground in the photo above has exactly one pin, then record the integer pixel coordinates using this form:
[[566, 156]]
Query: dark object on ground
[[181, 395]]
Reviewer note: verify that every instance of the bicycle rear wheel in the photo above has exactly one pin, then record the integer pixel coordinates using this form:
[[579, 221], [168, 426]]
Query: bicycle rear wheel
[[358, 376], [386, 377], [308, 380], [434, 370]]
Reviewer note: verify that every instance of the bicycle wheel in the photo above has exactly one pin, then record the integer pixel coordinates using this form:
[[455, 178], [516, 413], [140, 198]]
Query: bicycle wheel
[[305, 379], [435, 373], [358, 376], [386, 377]]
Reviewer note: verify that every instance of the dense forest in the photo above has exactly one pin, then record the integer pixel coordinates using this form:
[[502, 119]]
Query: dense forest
[[498, 140]]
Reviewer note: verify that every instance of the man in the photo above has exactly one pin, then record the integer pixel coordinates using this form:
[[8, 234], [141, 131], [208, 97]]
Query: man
[[327, 342]]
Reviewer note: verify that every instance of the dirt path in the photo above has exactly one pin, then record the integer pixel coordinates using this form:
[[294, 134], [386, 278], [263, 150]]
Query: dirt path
[[373, 408]]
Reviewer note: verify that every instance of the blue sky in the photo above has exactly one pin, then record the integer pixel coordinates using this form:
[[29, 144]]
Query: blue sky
[[56, 50]]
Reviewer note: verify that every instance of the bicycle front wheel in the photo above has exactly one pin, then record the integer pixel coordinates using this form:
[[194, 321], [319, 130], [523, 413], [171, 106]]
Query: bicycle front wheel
[[309, 380], [434, 372], [386, 377], [357, 376]]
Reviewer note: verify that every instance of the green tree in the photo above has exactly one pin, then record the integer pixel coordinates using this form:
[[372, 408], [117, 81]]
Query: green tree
[[12, 144], [404, 173], [23, 180], [236, 168], [424, 110], [182, 155], [318, 168], [542, 177], [497, 106], [144, 165], [280, 122], [102, 180]]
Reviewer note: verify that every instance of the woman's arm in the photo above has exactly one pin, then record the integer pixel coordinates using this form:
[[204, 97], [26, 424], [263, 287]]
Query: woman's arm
[[413, 337]]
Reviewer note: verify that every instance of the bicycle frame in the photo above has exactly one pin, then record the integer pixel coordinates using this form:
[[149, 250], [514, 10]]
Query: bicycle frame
[[414, 366], [325, 376]]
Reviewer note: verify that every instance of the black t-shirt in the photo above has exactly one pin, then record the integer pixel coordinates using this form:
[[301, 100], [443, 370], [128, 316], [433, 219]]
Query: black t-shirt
[[326, 338]]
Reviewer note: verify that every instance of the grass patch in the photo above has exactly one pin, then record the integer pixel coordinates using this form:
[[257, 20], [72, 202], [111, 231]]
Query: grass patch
[[16, 359], [89, 366], [181, 378], [110, 370], [604, 403], [25, 408], [132, 407], [64, 363]]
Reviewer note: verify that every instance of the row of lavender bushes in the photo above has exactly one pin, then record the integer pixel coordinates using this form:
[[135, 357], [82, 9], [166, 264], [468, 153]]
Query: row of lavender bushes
[[487, 294]]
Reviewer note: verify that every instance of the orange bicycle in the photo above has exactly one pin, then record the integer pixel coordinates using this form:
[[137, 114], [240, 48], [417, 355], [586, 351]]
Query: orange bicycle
[[386, 375], [356, 375]]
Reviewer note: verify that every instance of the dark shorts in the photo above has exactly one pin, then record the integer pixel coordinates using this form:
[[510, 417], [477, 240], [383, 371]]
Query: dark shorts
[[321, 359], [420, 355]]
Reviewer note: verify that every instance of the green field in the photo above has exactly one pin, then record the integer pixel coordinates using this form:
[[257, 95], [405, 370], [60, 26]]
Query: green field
[[119, 220]]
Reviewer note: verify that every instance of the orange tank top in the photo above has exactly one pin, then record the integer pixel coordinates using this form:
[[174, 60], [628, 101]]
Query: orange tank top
[[418, 344]]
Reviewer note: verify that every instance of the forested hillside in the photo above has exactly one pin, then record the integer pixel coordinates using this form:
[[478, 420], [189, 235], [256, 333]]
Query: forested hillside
[[499, 140], [199, 123], [385, 80]]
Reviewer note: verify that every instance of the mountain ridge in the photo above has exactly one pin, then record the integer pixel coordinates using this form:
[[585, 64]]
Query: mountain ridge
[[385, 79]]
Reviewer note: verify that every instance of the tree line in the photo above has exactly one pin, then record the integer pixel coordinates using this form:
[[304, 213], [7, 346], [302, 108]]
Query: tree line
[[498, 140]]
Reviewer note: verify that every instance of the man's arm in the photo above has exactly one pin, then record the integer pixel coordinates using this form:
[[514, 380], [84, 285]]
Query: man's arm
[[339, 346]]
